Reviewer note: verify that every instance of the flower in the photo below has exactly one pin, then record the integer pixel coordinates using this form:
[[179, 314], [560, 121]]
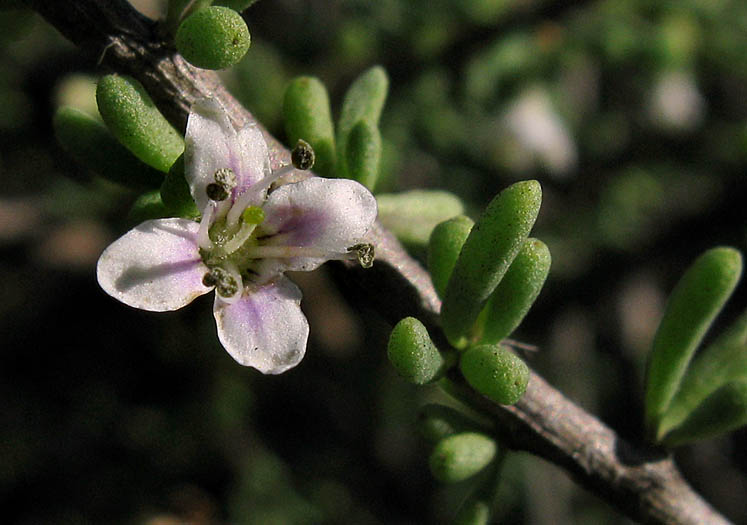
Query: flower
[[249, 234]]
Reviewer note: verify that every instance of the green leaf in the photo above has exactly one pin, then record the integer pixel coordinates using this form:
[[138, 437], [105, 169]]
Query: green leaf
[[461, 456], [517, 291], [495, 372], [413, 354], [215, 37], [722, 411], [696, 300], [444, 245], [134, 120], [364, 100], [437, 422], [147, 206], [475, 510], [308, 117], [363, 153], [723, 361], [491, 246], [88, 141], [412, 215], [175, 193], [236, 5]]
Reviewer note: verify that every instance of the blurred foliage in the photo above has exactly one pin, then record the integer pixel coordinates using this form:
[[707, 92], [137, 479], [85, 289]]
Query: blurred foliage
[[632, 115]]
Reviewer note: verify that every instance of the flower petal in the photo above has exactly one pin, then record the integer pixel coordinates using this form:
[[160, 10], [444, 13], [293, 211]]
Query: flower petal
[[329, 215], [155, 266], [266, 328], [212, 143]]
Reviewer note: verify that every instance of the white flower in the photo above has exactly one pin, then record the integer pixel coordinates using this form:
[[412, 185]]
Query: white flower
[[247, 237]]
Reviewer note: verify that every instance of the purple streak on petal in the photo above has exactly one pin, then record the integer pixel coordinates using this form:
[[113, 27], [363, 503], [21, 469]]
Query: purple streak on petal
[[155, 266], [265, 329], [295, 226]]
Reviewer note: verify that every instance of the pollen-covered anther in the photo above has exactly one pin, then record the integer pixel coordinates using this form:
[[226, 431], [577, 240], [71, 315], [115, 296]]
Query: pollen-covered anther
[[216, 191], [210, 279], [228, 287], [226, 178], [225, 283], [302, 155], [365, 253]]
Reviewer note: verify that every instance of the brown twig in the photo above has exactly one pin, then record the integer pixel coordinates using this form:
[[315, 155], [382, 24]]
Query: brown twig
[[643, 483]]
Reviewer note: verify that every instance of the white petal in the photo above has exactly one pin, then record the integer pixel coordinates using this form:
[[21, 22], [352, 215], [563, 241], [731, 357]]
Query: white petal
[[212, 143], [155, 266], [330, 215], [266, 328]]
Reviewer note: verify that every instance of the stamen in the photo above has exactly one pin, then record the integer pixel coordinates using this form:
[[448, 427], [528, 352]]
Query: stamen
[[203, 234], [230, 286], [210, 279], [287, 252], [227, 287], [240, 238], [216, 192], [253, 195], [365, 253], [226, 178], [302, 155]]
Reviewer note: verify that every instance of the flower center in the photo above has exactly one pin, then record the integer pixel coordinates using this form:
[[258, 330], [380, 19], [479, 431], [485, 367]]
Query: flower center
[[227, 236]]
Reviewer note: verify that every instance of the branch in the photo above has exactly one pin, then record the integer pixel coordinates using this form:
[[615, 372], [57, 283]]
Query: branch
[[643, 484]]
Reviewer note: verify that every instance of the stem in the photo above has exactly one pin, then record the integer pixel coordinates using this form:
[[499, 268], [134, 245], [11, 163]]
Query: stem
[[643, 484]]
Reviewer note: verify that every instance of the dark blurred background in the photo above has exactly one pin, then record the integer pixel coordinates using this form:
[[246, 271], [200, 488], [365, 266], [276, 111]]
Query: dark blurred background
[[632, 114]]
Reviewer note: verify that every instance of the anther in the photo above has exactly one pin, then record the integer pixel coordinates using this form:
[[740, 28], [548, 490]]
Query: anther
[[365, 253], [210, 279], [228, 287], [216, 191], [302, 155], [226, 178]]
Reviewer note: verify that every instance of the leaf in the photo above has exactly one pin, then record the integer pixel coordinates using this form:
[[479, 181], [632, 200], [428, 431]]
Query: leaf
[[412, 215], [495, 372], [517, 291], [364, 100], [723, 361], [214, 37], [363, 153], [413, 354], [444, 245], [722, 411], [461, 456], [696, 300], [88, 141], [308, 117], [134, 120], [491, 246]]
